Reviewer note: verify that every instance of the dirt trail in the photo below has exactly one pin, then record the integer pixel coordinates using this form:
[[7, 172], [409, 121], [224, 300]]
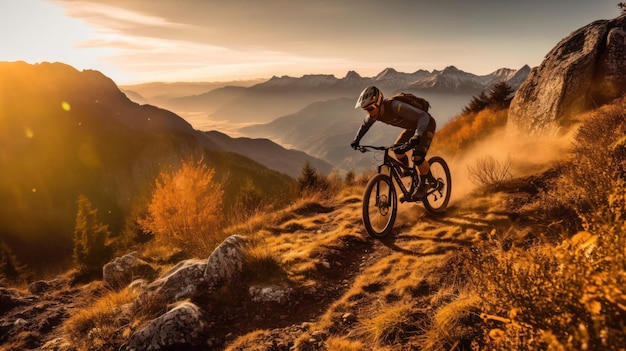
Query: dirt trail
[[356, 275]]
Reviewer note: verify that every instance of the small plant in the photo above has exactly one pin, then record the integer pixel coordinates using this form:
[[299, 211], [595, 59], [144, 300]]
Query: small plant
[[390, 325], [488, 171]]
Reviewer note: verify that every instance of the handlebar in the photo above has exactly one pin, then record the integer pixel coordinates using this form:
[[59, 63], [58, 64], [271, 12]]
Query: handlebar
[[366, 148]]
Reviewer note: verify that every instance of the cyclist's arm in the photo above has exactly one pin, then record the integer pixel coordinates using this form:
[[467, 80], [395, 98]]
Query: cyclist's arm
[[411, 113], [365, 126]]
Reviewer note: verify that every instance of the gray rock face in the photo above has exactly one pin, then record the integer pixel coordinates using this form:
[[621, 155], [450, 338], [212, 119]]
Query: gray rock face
[[182, 325], [123, 270], [584, 70], [184, 279]]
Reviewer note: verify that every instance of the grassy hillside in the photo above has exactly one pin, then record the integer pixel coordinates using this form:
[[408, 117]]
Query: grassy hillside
[[67, 133], [532, 262]]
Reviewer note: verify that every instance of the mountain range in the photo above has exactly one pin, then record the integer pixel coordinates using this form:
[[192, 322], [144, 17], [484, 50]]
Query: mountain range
[[315, 113], [448, 90]]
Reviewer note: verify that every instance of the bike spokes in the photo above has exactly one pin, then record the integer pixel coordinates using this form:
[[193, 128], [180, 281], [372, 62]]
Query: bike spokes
[[438, 197], [379, 206]]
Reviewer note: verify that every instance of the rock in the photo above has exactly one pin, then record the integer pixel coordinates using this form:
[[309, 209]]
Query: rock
[[9, 298], [182, 326], [584, 70], [266, 294], [38, 287], [225, 262], [123, 270], [190, 277], [348, 318], [178, 283]]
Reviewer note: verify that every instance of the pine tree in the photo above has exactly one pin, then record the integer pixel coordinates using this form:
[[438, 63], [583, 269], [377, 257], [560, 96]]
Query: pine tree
[[308, 178], [477, 104], [500, 95], [10, 268], [90, 235]]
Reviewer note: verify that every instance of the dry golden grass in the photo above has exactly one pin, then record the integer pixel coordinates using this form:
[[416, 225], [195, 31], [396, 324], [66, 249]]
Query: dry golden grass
[[463, 131], [247, 341], [101, 326], [389, 324], [339, 344]]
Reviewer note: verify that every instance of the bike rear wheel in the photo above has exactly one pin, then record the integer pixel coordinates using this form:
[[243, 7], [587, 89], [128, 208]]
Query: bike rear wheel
[[436, 201], [380, 206]]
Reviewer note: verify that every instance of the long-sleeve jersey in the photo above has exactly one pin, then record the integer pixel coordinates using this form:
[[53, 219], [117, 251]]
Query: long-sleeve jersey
[[398, 114]]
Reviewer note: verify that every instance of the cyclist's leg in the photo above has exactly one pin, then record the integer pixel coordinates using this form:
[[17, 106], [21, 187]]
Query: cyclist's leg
[[421, 149], [419, 158], [404, 136]]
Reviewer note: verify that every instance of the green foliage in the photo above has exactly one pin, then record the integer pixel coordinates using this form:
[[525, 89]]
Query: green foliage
[[90, 236]]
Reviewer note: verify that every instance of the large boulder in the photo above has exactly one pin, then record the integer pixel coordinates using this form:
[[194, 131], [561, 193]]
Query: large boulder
[[190, 277], [179, 328], [584, 70]]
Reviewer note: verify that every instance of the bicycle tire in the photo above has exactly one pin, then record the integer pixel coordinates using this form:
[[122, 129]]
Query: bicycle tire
[[436, 203], [380, 206]]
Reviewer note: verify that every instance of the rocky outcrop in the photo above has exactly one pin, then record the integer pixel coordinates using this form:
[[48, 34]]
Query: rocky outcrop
[[123, 270], [181, 326], [584, 70], [186, 278]]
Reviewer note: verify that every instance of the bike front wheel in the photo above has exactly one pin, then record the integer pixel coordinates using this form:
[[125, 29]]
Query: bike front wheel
[[438, 196], [380, 206]]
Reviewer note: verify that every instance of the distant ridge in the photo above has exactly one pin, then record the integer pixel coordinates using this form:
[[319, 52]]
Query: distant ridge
[[280, 96]]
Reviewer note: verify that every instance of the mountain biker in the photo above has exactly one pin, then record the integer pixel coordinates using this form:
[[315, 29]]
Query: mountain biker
[[419, 129]]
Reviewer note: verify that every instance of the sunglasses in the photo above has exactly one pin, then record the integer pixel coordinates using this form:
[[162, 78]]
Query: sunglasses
[[370, 108]]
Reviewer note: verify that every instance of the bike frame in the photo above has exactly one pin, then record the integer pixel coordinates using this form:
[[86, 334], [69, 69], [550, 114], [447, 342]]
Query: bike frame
[[395, 167]]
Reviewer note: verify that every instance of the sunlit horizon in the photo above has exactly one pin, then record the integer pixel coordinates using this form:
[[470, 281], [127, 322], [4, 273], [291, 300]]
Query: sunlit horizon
[[212, 41]]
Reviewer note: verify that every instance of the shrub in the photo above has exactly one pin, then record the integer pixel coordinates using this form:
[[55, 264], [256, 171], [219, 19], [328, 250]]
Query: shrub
[[488, 171], [185, 209], [596, 164], [568, 296]]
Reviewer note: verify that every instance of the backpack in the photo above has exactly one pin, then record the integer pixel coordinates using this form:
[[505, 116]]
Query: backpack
[[412, 100]]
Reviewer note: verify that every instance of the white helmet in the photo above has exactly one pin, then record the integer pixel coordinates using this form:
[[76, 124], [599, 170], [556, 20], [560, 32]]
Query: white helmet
[[371, 95]]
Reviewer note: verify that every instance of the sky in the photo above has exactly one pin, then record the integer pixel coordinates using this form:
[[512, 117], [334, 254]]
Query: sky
[[136, 41]]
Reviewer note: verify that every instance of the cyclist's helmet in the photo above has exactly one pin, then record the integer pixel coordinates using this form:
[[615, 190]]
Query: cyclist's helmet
[[369, 96]]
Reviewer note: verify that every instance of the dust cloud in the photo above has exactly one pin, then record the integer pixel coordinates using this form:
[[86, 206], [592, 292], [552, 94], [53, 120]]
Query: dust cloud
[[527, 155]]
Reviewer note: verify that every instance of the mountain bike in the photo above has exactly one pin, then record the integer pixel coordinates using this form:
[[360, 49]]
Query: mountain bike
[[380, 201]]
